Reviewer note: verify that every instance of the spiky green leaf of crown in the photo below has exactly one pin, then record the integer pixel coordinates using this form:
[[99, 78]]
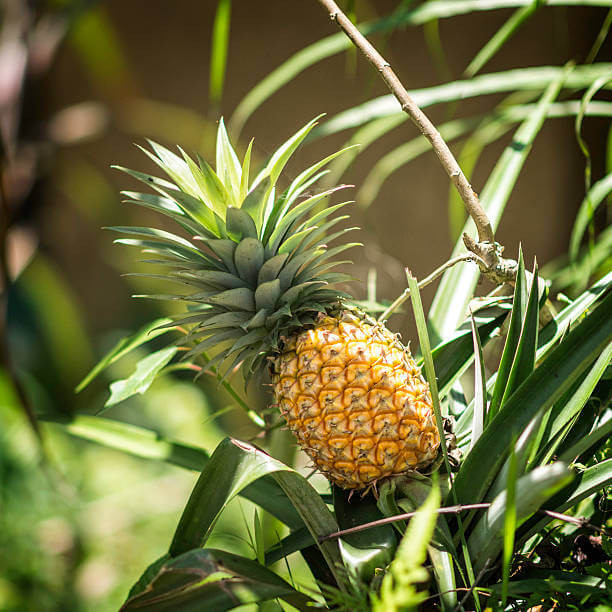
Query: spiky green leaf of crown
[[253, 260]]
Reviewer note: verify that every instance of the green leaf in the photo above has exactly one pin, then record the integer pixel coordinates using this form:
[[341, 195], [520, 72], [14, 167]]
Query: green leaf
[[228, 167], [175, 167], [586, 483], [537, 78], [294, 542], [246, 170], [591, 91], [257, 320], [239, 298], [267, 294], [443, 570], [301, 209], [271, 268], [480, 388], [218, 50], [258, 536], [553, 582], [564, 415], [453, 356], [520, 453], [124, 346], [248, 259], [584, 445], [524, 358], [489, 128], [224, 249], [510, 523], [336, 43], [233, 466], [135, 440], [255, 202], [419, 315], [282, 155], [398, 590], [217, 579], [595, 196], [555, 330], [398, 157], [517, 317], [216, 195], [501, 37], [240, 224], [563, 365], [532, 491], [155, 234], [150, 445], [365, 551], [299, 184], [140, 380]]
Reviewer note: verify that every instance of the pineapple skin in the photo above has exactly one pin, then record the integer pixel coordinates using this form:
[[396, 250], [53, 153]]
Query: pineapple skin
[[355, 400]]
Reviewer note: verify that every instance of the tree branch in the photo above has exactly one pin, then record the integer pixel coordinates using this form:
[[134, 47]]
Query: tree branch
[[578, 521], [486, 248], [428, 280]]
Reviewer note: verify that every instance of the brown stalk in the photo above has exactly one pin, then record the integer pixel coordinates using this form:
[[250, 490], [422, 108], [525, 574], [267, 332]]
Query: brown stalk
[[578, 521], [486, 249]]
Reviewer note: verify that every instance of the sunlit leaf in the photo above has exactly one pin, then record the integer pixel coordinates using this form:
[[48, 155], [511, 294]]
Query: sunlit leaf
[[233, 466], [213, 580], [143, 376], [218, 52]]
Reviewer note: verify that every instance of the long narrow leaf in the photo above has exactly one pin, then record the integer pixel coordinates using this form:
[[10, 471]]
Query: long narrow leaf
[[480, 388], [336, 43], [554, 375], [537, 78], [501, 37], [233, 466], [524, 358], [519, 305], [218, 52], [596, 195], [124, 346], [532, 490], [560, 420], [150, 445], [213, 580], [586, 483]]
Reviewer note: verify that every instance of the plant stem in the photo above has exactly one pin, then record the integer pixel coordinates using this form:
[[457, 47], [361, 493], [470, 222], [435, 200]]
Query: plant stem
[[456, 509], [486, 248], [418, 117], [427, 281]]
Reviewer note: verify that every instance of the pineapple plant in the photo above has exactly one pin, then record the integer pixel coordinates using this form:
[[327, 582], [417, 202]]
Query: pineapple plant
[[263, 297], [262, 294]]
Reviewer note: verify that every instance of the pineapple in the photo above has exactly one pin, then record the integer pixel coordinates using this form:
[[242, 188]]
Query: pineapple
[[262, 296]]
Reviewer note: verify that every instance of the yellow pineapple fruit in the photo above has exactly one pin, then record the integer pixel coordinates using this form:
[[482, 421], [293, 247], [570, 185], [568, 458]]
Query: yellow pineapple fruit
[[355, 400], [263, 292]]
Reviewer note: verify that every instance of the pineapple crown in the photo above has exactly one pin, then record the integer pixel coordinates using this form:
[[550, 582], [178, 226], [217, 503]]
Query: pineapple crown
[[254, 260]]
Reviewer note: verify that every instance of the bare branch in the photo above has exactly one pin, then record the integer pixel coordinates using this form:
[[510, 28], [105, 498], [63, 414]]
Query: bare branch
[[579, 521], [486, 249], [430, 279]]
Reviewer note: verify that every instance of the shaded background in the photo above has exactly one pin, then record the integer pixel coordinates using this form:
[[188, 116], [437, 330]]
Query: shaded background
[[81, 526]]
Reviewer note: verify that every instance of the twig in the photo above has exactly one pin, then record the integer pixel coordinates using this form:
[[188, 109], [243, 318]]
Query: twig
[[428, 280], [401, 517], [580, 521], [486, 248]]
